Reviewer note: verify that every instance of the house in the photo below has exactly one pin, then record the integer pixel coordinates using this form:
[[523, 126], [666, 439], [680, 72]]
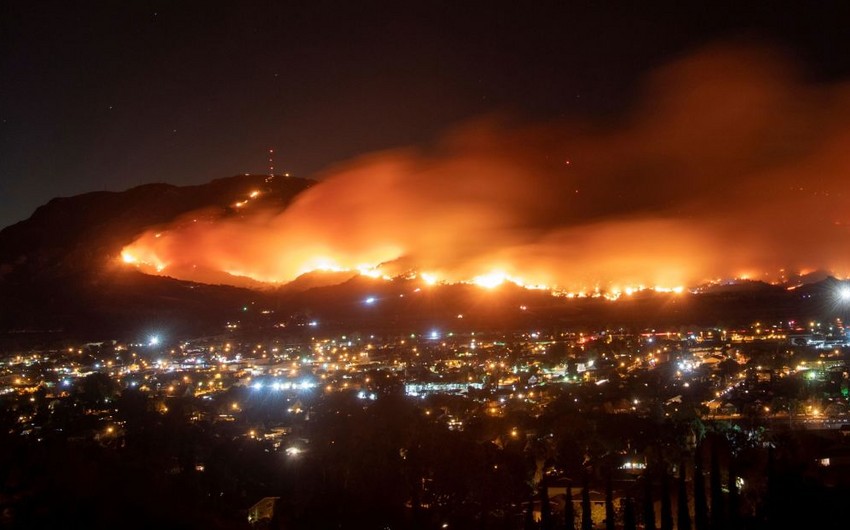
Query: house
[[260, 514]]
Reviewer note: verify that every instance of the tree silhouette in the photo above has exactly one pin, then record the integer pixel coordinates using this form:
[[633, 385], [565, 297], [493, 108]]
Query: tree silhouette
[[718, 519], [683, 516], [733, 520], [629, 520], [586, 515], [545, 507], [610, 519], [95, 389], [569, 510], [773, 490], [529, 516], [700, 504], [648, 507], [666, 505]]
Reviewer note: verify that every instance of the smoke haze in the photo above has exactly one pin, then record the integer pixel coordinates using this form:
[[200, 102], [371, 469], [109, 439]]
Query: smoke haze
[[728, 165]]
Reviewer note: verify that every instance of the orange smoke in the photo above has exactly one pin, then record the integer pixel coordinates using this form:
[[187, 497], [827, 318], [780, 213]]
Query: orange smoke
[[727, 164]]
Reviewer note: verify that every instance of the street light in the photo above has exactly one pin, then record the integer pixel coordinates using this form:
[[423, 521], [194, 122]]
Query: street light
[[842, 302]]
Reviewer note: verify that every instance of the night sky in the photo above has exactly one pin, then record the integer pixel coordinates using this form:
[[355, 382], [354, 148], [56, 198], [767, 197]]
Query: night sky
[[108, 95]]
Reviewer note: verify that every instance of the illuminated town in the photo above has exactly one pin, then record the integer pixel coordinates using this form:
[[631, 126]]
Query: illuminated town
[[540, 409]]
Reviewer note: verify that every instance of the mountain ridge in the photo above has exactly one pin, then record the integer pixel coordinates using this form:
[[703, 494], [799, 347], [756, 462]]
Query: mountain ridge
[[60, 274]]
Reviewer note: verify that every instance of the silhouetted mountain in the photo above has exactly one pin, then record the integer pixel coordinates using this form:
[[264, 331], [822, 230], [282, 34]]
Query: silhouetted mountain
[[311, 280], [59, 278], [81, 233], [58, 268], [739, 286]]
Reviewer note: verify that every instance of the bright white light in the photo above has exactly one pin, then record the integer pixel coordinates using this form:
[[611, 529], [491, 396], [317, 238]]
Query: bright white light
[[844, 293], [370, 300], [435, 335], [490, 281], [293, 451], [257, 386], [153, 341]]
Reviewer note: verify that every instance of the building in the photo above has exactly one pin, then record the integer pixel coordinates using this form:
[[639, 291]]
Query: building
[[260, 514]]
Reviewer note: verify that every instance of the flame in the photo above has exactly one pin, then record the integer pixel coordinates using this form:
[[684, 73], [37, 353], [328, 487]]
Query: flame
[[429, 278], [491, 280], [727, 167]]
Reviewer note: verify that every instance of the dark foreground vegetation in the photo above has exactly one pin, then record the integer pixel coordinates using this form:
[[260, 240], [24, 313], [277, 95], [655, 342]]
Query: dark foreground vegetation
[[109, 459]]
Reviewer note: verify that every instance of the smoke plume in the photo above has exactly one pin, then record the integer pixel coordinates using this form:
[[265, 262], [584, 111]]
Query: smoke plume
[[727, 165]]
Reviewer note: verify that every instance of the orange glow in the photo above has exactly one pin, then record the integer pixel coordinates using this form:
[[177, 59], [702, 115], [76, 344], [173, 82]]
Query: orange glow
[[428, 278], [491, 280], [728, 167]]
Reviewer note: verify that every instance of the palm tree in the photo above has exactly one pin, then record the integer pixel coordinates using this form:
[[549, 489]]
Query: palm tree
[[732, 484], [629, 521], [683, 516], [569, 510], [586, 515], [718, 519], [610, 518], [700, 504], [666, 506], [545, 507], [529, 516], [648, 507]]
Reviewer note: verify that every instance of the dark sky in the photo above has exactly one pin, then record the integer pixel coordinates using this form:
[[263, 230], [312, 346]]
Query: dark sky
[[108, 95]]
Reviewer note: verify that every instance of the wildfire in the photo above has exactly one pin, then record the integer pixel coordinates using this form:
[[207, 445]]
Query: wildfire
[[491, 280], [429, 278], [689, 189]]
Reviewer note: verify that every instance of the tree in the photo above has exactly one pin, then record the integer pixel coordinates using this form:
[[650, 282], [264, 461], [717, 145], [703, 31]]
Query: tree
[[683, 516], [648, 507], [718, 519], [610, 519], [96, 389], [529, 516], [666, 505], [732, 485], [773, 490], [700, 504], [586, 515], [545, 507], [569, 510], [629, 520]]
